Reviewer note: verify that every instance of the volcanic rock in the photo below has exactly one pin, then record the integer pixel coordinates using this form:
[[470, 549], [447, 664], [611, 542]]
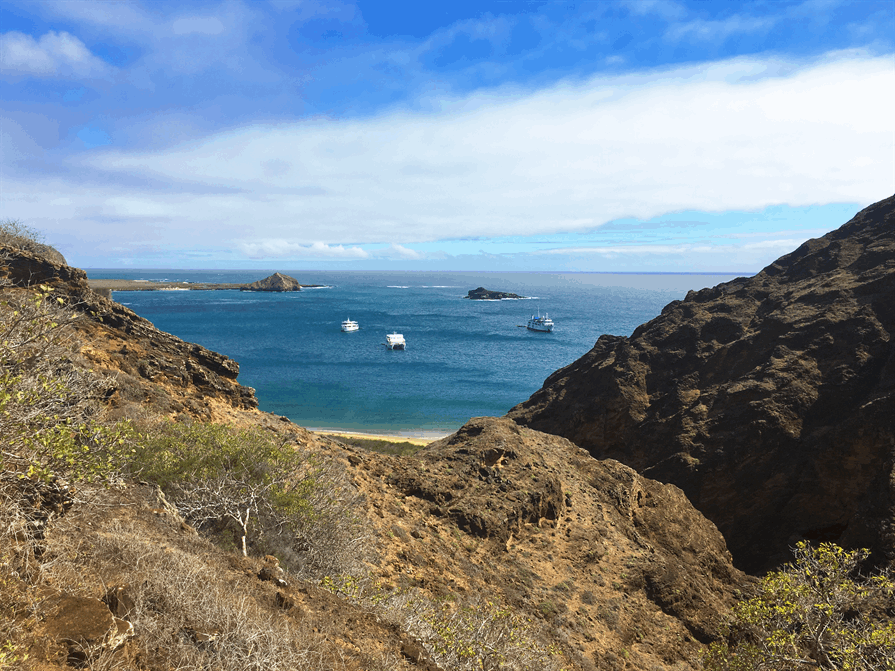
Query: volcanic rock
[[276, 282], [483, 294], [149, 366], [770, 401], [615, 558]]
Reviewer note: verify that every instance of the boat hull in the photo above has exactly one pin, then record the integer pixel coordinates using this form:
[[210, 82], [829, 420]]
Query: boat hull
[[395, 341]]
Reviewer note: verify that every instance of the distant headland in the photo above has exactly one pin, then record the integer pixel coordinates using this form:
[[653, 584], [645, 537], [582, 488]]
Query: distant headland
[[276, 282]]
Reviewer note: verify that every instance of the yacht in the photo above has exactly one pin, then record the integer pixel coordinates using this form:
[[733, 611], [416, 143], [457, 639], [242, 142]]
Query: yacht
[[349, 325], [395, 341], [540, 323]]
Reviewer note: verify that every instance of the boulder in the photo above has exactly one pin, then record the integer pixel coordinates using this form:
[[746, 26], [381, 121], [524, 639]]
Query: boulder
[[84, 625], [769, 400]]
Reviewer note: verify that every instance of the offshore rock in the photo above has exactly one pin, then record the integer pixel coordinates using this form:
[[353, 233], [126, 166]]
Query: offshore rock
[[483, 294], [770, 401], [276, 282]]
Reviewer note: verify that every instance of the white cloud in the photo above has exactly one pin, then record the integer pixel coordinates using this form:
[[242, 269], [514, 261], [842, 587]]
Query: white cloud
[[732, 135], [54, 54], [262, 249]]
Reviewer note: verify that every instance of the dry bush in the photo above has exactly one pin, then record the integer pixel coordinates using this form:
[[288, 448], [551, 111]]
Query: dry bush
[[469, 635], [17, 235], [186, 614]]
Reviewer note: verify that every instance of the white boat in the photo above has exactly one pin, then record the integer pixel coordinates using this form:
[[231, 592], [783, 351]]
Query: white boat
[[395, 341], [349, 325], [540, 323]]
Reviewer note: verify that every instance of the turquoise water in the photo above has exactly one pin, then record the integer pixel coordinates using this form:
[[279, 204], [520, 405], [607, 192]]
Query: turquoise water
[[463, 358]]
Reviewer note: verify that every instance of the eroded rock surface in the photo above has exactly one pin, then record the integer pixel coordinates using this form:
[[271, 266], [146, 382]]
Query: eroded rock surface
[[770, 400], [609, 558]]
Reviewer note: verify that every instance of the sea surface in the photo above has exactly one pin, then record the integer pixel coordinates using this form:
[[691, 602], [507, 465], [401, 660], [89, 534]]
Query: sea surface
[[463, 359]]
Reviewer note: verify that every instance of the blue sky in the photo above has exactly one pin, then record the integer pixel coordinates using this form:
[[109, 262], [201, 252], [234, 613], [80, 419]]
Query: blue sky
[[629, 135]]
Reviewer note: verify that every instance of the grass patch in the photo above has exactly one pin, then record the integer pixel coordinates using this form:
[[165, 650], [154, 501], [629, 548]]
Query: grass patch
[[396, 449]]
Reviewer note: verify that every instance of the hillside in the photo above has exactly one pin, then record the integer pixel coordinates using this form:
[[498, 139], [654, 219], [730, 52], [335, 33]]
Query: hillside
[[498, 547], [770, 401]]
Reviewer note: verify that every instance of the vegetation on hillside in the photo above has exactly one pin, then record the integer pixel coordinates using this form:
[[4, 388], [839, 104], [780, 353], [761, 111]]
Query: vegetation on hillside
[[816, 613], [17, 235], [280, 500]]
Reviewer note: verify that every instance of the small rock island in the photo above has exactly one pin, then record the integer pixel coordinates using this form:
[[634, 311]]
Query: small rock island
[[276, 282], [483, 294]]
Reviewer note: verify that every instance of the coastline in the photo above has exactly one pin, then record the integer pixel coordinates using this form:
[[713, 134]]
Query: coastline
[[152, 285]]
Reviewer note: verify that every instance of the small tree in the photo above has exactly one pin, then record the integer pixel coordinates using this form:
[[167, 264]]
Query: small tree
[[291, 502], [816, 613]]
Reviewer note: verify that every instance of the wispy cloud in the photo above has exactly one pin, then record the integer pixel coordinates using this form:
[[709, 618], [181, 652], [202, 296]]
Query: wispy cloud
[[394, 251], [54, 54], [263, 249], [719, 30]]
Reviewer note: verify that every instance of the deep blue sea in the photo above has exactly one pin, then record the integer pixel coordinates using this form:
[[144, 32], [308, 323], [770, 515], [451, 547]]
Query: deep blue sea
[[463, 358]]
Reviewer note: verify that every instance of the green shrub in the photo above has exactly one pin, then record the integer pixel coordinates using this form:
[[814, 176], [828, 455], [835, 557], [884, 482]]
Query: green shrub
[[47, 396], [281, 499], [817, 612]]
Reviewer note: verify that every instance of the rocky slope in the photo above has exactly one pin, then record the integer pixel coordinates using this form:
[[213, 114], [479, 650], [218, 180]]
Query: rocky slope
[[621, 570], [146, 366], [770, 400]]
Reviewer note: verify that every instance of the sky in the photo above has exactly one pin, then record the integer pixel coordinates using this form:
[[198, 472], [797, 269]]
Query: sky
[[603, 136]]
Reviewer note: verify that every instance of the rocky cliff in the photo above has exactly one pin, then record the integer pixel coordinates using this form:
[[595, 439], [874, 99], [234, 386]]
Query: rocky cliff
[[770, 400], [146, 366]]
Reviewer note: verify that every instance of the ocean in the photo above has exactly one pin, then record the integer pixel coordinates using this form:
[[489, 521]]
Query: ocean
[[463, 359]]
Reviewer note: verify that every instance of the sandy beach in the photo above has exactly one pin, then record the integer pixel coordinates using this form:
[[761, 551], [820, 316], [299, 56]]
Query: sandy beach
[[412, 437]]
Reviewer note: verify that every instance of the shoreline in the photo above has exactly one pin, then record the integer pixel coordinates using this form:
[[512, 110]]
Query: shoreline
[[413, 437]]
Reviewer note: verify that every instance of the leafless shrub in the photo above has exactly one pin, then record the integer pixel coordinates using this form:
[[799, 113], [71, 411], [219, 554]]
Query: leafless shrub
[[17, 235], [334, 539], [185, 610], [470, 635]]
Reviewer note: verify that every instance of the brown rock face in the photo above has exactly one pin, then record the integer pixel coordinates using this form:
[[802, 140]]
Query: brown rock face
[[770, 401], [613, 559], [151, 366], [276, 282]]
